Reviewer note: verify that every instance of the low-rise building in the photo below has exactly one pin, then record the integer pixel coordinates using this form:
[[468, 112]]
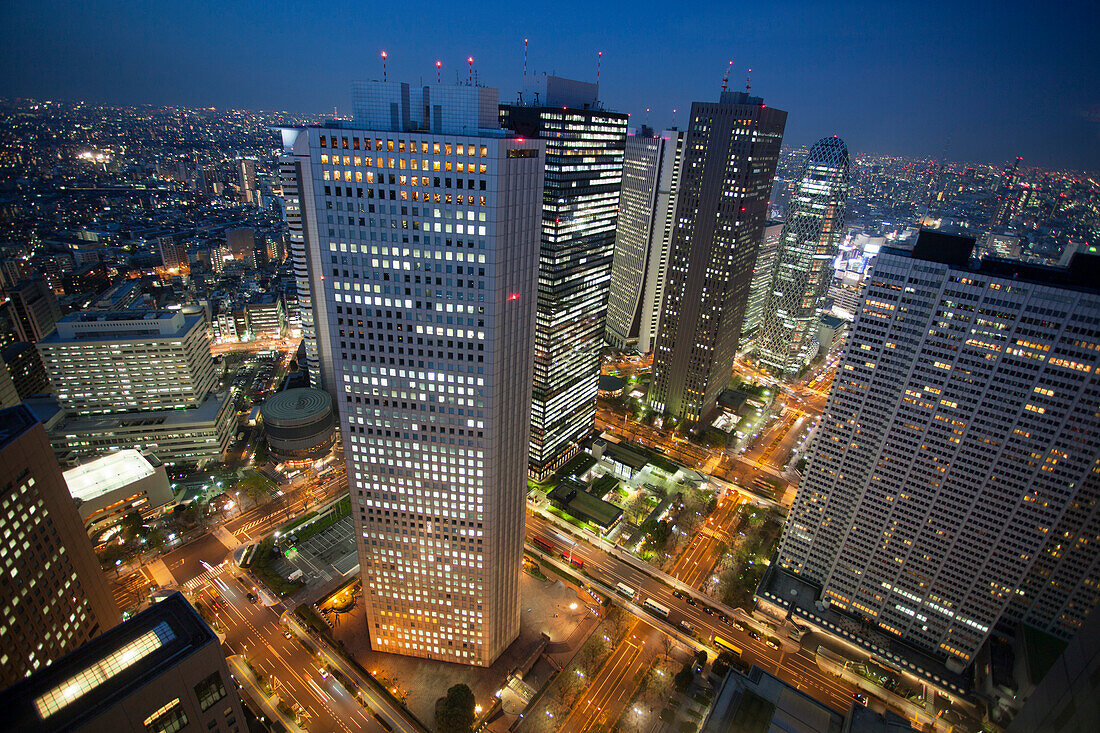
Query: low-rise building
[[178, 437], [107, 489]]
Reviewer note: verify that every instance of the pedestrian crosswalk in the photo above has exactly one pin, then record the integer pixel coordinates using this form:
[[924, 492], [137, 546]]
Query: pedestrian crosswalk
[[199, 580]]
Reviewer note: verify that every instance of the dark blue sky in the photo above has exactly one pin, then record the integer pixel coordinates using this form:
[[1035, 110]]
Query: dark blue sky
[[984, 80]]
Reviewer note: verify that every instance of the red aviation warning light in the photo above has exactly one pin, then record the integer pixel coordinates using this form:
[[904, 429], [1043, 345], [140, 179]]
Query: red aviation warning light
[[513, 296]]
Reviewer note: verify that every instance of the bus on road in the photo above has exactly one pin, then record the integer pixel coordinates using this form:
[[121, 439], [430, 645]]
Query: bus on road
[[572, 559], [625, 590], [727, 645], [655, 607], [542, 544]]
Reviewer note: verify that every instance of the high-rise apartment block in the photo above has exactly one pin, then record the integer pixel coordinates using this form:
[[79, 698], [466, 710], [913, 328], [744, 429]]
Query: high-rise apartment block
[[32, 308], [53, 596], [173, 255], [584, 163], [761, 281], [421, 219], [128, 361], [162, 670], [955, 480], [804, 265], [643, 235], [732, 149]]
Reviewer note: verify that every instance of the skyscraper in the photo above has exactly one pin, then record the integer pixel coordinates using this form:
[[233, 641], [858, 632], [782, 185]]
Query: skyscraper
[[732, 149], [761, 281], [53, 596], [584, 161], [956, 475], [289, 176], [643, 234], [421, 220], [804, 264]]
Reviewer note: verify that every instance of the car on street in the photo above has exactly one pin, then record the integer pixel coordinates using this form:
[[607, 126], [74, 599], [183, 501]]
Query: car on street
[[737, 625], [251, 597], [771, 643], [754, 635], [859, 697]]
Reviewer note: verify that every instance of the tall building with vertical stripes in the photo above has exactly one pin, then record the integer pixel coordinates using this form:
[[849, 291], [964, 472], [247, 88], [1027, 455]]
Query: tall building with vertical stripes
[[421, 223], [955, 480], [584, 163], [643, 236], [732, 148]]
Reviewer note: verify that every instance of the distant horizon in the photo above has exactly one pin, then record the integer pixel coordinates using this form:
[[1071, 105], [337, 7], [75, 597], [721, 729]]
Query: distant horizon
[[982, 81], [787, 145]]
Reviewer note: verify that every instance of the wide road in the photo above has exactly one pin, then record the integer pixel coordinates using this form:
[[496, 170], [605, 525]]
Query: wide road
[[796, 668], [185, 563], [253, 631]]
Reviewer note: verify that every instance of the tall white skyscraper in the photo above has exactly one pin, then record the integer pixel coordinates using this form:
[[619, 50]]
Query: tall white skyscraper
[[421, 220], [804, 264], [956, 476], [643, 234]]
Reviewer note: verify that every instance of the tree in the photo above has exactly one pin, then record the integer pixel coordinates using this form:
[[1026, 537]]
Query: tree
[[683, 678], [131, 525], [455, 712], [155, 540], [722, 664]]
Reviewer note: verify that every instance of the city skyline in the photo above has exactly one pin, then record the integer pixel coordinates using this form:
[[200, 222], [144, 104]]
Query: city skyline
[[883, 89]]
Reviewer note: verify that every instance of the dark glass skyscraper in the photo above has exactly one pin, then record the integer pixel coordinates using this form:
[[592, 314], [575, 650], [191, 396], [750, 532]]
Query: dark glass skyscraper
[[584, 163], [732, 149], [804, 266]]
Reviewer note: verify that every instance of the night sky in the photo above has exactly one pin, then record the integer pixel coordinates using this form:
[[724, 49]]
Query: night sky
[[977, 81]]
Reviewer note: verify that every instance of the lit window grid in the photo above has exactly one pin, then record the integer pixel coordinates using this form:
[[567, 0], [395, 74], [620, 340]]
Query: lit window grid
[[375, 255]]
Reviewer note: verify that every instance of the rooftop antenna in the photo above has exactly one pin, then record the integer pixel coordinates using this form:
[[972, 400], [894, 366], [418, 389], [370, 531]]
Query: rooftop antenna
[[726, 76], [599, 59], [674, 117], [383, 66], [748, 81], [647, 116], [470, 61], [439, 72], [524, 58]]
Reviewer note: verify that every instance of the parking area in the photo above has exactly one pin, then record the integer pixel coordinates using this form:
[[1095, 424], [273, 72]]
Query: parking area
[[323, 556]]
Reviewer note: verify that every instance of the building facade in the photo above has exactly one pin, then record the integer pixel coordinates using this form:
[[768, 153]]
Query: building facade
[[195, 436], [803, 268], [643, 234], [162, 670], [53, 596], [421, 221], [103, 362], [584, 161], [761, 280], [33, 309], [107, 489], [732, 150], [289, 175], [955, 478]]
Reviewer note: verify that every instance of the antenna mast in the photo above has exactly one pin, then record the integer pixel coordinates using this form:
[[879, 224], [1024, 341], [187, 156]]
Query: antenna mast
[[470, 80], [726, 76], [439, 72], [599, 60], [524, 58], [748, 81], [383, 66]]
